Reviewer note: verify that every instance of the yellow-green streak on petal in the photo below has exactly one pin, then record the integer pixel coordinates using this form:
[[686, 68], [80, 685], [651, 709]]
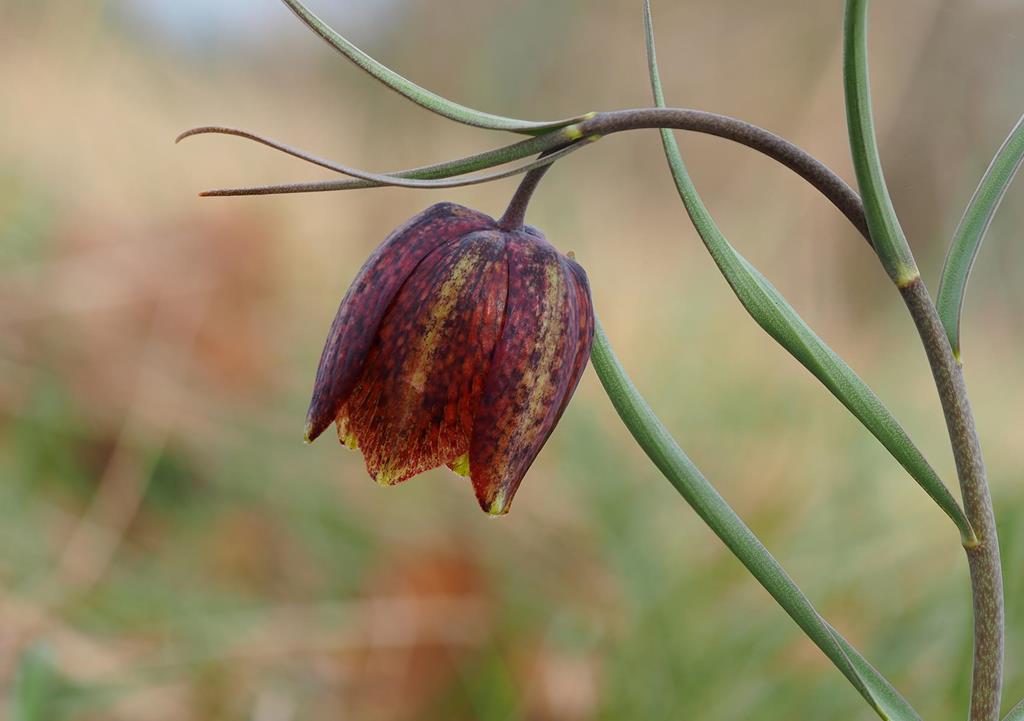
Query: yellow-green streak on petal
[[461, 465], [447, 299], [412, 408], [499, 506], [388, 475], [347, 436], [536, 377]]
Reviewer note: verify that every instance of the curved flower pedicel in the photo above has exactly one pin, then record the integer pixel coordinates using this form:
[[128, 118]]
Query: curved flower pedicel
[[459, 343]]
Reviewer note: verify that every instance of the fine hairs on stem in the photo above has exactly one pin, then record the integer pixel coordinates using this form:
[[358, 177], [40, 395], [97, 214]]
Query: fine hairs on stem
[[982, 557]]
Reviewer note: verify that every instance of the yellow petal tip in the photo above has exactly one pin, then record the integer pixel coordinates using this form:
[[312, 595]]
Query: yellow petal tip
[[346, 437], [499, 506], [387, 476], [461, 465]]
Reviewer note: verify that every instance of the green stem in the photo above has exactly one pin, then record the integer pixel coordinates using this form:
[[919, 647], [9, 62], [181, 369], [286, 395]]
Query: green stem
[[983, 557]]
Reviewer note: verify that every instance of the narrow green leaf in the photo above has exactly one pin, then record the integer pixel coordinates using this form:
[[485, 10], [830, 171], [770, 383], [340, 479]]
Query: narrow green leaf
[[971, 231], [421, 96], [36, 683], [1016, 713], [448, 169], [886, 232], [778, 318], [378, 179], [662, 449]]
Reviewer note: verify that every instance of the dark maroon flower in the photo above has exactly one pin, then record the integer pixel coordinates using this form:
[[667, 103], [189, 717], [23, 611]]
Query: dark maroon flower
[[459, 343]]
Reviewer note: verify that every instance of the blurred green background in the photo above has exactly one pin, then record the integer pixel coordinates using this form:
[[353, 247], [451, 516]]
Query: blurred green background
[[170, 550]]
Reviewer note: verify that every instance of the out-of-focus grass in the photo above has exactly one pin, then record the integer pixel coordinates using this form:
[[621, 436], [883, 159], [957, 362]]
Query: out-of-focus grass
[[180, 554]]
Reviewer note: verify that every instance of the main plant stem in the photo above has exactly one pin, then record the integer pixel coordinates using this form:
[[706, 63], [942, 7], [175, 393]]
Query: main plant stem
[[982, 558]]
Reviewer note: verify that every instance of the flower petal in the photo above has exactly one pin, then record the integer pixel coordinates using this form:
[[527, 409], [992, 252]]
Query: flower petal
[[367, 300], [580, 286], [413, 406], [530, 373]]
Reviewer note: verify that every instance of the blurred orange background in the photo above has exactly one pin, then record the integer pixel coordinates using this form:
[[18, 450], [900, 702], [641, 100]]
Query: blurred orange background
[[170, 550]]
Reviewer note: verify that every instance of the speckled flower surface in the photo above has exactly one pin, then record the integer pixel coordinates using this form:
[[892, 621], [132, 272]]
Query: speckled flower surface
[[459, 343]]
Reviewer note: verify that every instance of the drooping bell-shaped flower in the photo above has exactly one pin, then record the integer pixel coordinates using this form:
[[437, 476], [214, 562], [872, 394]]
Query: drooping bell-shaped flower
[[459, 343]]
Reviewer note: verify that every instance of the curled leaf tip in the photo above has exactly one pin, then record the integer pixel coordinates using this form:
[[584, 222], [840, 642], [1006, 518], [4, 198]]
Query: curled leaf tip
[[200, 130]]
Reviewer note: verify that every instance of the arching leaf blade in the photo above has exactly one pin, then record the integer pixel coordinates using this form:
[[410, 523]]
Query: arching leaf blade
[[421, 96], [777, 317], [450, 168], [886, 232], [659, 445], [970, 233], [381, 180]]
